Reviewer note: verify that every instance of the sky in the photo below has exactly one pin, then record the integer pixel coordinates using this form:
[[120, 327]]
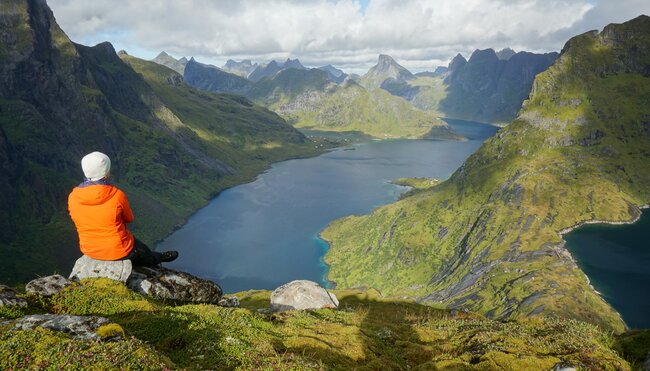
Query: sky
[[349, 34]]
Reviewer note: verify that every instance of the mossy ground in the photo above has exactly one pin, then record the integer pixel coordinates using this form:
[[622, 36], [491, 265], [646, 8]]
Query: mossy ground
[[367, 332]]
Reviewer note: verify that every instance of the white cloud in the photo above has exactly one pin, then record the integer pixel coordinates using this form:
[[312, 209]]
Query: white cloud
[[418, 33]]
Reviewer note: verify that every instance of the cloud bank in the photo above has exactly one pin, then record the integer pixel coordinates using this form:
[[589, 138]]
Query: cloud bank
[[420, 34]]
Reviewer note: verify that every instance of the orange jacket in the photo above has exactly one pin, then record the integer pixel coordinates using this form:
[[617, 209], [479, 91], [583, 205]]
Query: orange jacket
[[100, 213]]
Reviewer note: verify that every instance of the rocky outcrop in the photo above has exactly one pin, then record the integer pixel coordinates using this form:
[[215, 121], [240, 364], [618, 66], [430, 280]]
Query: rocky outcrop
[[79, 327], [229, 302], [302, 295], [47, 286], [8, 298], [87, 267], [163, 283]]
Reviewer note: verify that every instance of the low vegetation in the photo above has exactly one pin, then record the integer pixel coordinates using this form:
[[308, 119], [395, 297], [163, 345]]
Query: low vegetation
[[367, 332]]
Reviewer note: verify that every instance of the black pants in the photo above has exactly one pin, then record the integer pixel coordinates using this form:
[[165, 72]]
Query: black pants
[[143, 256]]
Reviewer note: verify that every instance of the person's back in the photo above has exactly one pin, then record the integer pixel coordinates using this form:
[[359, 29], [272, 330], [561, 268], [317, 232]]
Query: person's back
[[100, 212]]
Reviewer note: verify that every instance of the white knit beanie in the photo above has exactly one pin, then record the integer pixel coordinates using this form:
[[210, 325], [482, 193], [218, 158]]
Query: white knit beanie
[[95, 165]]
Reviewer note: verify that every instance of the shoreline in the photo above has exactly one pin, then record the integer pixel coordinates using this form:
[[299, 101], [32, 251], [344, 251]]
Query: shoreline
[[245, 180], [564, 231]]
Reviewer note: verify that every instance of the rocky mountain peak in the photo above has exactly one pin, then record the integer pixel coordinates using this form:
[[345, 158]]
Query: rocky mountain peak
[[163, 54], [482, 56], [385, 61], [458, 62], [505, 54], [386, 68]]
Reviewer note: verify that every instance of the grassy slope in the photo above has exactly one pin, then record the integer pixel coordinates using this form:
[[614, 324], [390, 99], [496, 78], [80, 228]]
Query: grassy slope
[[350, 107], [368, 333], [488, 238], [307, 99]]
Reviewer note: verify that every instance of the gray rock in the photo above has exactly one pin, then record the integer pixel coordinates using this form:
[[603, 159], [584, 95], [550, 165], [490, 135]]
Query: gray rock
[[8, 298], [164, 283], [79, 327], [47, 286], [86, 267], [301, 295], [229, 302], [564, 367]]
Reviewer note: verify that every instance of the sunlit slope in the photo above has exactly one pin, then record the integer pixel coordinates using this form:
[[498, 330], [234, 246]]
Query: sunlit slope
[[488, 238]]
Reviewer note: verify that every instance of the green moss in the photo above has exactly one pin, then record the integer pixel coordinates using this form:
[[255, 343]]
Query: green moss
[[44, 349], [100, 296], [368, 332], [112, 330]]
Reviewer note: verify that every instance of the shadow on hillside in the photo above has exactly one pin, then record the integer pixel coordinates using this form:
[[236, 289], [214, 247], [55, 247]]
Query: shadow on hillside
[[386, 337]]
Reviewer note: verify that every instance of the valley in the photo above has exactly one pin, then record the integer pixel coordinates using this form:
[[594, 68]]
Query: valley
[[477, 213], [264, 233]]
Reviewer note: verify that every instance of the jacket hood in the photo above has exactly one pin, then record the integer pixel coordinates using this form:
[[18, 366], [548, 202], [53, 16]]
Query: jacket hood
[[94, 194]]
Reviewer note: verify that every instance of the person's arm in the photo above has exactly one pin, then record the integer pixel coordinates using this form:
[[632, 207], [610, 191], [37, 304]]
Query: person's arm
[[127, 213]]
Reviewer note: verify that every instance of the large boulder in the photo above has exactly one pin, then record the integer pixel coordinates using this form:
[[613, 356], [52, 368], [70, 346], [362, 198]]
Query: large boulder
[[79, 327], [47, 286], [164, 283], [86, 267], [301, 295], [8, 298]]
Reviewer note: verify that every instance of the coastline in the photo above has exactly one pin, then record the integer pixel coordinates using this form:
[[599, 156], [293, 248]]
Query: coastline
[[564, 231], [244, 180]]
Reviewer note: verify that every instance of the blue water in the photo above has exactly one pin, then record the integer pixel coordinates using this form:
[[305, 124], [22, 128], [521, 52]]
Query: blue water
[[265, 233], [616, 258]]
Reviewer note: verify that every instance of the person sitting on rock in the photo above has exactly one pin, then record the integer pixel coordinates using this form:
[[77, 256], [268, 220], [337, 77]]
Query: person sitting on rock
[[100, 212]]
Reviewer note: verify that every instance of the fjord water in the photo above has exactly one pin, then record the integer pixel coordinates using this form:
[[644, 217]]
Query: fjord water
[[265, 233], [616, 258]]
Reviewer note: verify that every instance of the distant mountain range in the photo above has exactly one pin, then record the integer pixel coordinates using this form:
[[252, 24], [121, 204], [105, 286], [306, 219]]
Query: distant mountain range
[[490, 87], [323, 98], [243, 68]]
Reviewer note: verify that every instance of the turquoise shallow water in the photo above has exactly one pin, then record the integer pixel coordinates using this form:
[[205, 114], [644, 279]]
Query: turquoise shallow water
[[616, 258], [265, 233]]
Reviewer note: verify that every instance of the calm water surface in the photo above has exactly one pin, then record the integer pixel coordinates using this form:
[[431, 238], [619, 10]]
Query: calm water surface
[[616, 258], [265, 233]]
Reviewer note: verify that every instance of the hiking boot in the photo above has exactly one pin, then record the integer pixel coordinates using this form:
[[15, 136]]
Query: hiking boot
[[169, 256]]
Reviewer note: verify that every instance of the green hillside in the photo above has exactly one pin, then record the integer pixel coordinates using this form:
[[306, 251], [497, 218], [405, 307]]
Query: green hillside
[[368, 333], [172, 147], [487, 239], [307, 99]]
